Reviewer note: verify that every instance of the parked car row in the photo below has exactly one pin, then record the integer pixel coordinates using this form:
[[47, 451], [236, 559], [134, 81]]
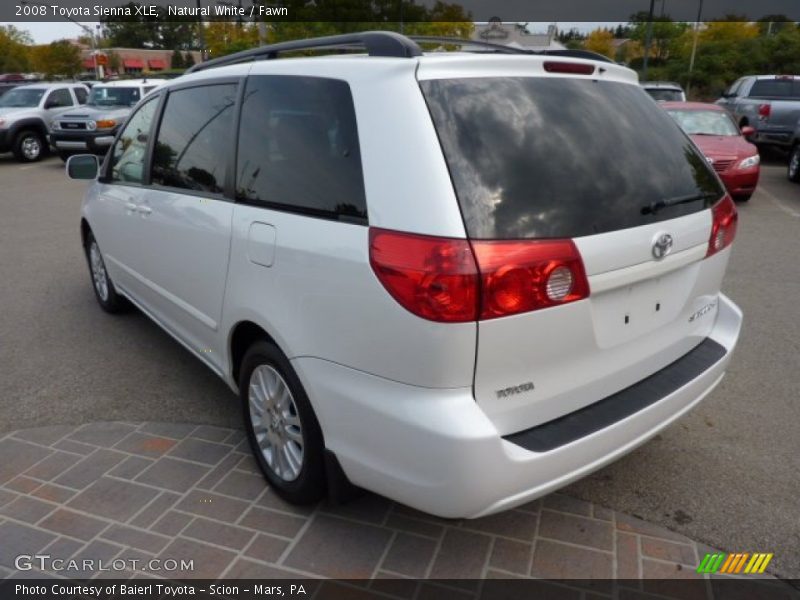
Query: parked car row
[[70, 117]]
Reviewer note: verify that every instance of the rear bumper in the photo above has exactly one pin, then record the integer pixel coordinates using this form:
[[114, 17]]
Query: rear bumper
[[83, 141], [776, 137], [435, 450]]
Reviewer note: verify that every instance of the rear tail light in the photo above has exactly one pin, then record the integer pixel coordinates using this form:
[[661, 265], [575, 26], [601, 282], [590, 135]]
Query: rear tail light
[[451, 280], [434, 278], [568, 67], [764, 111], [521, 276], [723, 226]]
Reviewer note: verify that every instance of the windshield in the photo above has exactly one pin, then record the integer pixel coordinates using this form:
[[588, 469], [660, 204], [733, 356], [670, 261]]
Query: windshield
[[114, 96], [665, 95], [21, 98], [547, 157], [704, 122]]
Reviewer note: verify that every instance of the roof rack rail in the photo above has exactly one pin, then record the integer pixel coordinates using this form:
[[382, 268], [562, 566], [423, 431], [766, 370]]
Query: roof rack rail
[[376, 43], [500, 48]]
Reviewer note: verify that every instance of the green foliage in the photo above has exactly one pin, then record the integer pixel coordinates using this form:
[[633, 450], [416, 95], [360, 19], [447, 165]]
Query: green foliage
[[13, 49], [139, 31], [57, 59], [726, 50], [176, 60]]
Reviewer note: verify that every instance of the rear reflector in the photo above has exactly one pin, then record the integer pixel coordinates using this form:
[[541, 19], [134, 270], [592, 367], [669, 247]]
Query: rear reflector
[[455, 280], [526, 275], [723, 226], [568, 67]]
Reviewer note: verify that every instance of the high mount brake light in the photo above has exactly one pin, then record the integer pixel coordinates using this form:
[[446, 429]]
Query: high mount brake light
[[568, 67], [455, 280], [723, 226]]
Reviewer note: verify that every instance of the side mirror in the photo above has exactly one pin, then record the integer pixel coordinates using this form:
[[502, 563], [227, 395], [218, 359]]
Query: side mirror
[[747, 131], [82, 166]]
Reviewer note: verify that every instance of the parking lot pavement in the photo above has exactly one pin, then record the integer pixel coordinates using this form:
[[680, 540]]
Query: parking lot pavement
[[167, 490], [727, 474]]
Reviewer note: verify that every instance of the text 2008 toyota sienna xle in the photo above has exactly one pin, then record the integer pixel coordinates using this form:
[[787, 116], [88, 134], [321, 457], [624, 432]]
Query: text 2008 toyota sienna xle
[[460, 280]]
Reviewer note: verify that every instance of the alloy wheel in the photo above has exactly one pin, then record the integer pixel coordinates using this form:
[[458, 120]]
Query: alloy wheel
[[276, 422], [99, 276]]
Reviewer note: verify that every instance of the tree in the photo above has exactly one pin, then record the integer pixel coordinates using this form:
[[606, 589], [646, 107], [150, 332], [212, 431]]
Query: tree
[[14, 49], [601, 41], [226, 37], [114, 62], [176, 61], [188, 60], [60, 58], [138, 31], [665, 34]]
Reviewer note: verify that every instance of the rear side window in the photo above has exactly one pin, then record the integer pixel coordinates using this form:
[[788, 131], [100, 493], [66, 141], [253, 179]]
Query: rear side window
[[81, 94], [775, 88], [298, 147], [191, 150], [559, 157], [665, 94], [59, 98]]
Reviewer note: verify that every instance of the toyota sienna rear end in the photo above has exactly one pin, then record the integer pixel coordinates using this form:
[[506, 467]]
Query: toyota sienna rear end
[[460, 281], [596, 240]]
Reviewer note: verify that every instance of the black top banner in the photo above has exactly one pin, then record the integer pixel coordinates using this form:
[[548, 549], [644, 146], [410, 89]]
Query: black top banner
[[393, 10]]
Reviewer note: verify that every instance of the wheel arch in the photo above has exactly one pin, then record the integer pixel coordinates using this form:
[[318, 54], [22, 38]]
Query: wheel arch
[[242, 336], [31, 123], [85, 231]]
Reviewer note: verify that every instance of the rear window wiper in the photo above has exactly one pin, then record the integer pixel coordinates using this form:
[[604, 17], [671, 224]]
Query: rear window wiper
[[657, 205]]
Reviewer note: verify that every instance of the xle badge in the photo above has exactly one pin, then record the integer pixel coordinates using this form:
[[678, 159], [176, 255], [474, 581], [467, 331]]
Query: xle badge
[[515, 389]]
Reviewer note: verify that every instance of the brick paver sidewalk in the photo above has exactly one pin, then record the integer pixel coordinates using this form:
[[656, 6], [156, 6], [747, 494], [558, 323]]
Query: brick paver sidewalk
[[157, 490]]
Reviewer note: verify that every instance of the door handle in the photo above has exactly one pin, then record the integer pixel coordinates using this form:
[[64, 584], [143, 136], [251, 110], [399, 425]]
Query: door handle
[[145, 210]]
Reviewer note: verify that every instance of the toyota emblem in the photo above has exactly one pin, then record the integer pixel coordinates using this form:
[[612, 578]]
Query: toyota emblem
[[662, 245]]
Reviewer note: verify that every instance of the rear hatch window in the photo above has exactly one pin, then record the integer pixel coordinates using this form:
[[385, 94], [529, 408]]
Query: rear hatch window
[[776, 88], [536, 157]]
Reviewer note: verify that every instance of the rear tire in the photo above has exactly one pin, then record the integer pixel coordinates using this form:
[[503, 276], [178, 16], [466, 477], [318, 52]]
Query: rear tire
[[793, 170], [283, 430], [29, 146], [103, 287]]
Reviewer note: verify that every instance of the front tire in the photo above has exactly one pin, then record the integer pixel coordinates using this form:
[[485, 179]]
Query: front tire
[[28, 146], [793, 171], [283, 430], [104, 289]]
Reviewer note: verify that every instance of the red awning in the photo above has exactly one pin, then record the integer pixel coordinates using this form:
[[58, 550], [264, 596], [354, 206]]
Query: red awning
[[89, 62], [157, 63], [133, 63]]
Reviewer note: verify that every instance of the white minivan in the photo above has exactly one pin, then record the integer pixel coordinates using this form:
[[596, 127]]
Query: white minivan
[[459, 280]]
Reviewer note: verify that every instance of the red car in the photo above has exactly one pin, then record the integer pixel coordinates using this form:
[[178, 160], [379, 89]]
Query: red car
[[716, 134]]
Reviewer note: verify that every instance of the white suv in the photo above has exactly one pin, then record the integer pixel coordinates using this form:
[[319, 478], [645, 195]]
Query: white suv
[[458, 280]]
